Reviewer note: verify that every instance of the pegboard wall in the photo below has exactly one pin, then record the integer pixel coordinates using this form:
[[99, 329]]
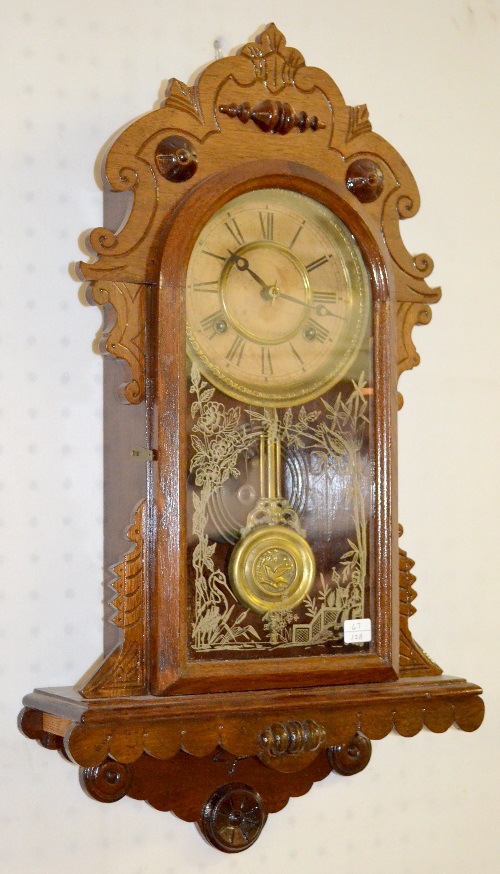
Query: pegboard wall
[[72, 75]]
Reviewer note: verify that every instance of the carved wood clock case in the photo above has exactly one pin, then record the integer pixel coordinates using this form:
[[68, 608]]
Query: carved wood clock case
[[258, 308]]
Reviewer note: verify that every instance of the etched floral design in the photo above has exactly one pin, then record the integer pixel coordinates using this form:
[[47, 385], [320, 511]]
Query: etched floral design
[[333, 438], [336, 437], [218, 439], [277, 624]]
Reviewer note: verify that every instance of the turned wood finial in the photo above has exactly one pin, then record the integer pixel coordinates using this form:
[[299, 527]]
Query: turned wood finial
[[288, 738], [272, 116]]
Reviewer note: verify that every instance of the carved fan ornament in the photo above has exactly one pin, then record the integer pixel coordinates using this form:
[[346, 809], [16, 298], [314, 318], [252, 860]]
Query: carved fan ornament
[[225, 759]]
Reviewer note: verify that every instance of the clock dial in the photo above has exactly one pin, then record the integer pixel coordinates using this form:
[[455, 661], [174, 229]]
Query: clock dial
[[277, 298]]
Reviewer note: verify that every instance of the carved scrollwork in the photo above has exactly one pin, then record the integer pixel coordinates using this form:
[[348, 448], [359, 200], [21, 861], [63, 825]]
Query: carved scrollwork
[[406, 206], [104, 240], [134, 176], [423, 263], [252, 79], [358, 122], [408, 315], [275, 64], [125, 339]]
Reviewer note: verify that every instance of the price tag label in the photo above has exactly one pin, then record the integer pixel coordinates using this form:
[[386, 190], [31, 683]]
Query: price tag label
[[357, 630]]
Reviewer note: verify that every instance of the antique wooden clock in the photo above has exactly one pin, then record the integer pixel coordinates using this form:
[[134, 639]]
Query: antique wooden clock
[[259, 304]]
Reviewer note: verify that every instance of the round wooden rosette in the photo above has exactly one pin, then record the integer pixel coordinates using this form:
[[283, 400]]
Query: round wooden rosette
[[109, 781], [233, 817], [352, 757]]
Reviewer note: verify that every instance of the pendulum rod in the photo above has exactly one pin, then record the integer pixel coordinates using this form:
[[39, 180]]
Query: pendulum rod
[[270, 463]]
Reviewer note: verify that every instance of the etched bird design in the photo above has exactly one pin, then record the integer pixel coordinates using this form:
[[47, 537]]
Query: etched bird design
[[276, 577]]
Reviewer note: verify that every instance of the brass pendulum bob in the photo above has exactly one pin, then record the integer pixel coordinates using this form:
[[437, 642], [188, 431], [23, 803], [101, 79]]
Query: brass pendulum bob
[[272, 567]]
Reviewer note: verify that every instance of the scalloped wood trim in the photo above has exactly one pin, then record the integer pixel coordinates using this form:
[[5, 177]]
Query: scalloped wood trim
[[123, 672], [161, 739], [158, 782], [125, 728]]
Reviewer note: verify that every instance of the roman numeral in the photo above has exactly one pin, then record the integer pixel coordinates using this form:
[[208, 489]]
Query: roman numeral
[[266, 225], [329, 296], [266, 365], [211, 287], [209, 322], [213, 255], [315, 264], [320, 333], [296, 235], [236, 350], [299, 359], [235, 232]]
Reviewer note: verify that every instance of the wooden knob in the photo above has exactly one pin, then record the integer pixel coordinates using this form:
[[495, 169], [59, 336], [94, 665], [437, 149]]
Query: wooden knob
[[176, 159], [365, 180], [352, 757], [233, 817], [109, 781]]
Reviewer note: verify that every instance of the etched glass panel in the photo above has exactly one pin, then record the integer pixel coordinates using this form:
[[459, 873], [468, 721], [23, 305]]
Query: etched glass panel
[[280, 497]]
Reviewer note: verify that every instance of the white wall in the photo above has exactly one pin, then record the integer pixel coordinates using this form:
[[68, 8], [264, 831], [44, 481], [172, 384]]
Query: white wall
[[75, 72]]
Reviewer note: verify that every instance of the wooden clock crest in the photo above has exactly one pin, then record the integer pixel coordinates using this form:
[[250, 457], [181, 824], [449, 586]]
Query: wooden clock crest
[[259, 305]]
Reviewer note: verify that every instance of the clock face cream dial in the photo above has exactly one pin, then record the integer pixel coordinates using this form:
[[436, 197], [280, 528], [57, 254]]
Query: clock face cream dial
[[277, 298]]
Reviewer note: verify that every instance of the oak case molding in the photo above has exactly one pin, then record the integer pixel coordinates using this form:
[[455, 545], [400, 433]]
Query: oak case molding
[[179, 674]]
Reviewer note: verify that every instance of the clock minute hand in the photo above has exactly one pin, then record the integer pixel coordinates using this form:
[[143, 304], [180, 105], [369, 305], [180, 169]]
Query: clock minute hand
[[319, 309], [272, 291], [243, 265]]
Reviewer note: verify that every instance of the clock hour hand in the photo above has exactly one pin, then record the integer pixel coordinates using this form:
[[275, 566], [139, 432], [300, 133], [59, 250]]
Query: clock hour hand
[[271, 292], [243, 265]]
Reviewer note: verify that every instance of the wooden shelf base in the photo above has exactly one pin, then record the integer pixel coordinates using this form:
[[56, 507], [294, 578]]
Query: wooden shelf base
[[197, 757]]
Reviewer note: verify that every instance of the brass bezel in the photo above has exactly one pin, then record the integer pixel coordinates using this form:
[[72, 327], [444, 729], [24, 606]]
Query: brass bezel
[[337, 365], [243, 564]]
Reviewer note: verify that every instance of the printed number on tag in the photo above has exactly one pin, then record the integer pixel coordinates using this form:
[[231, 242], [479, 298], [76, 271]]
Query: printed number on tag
[[357, 630]]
